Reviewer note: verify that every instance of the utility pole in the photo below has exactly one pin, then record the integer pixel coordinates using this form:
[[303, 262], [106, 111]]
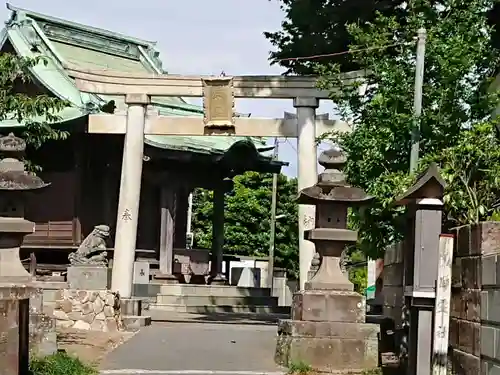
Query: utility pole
[[274, 196], [417, 100]]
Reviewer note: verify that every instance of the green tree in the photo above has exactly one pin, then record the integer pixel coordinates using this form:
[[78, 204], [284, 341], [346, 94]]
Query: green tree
[[36, 112], [471, 169], [247, 219], [358, 271], [317, 27], [460, 63]]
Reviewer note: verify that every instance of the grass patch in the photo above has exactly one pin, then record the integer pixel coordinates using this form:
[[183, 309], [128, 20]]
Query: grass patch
[[60, 364], [299, 368]]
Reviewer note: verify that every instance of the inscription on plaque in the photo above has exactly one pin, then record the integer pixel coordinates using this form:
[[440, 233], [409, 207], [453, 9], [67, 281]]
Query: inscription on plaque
[[218, 102]]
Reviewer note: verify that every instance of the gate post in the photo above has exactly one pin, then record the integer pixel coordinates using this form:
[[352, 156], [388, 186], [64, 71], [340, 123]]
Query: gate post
[[129, 198]]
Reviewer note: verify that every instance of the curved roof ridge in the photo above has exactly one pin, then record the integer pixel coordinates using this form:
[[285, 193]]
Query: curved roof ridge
[[82, 27]]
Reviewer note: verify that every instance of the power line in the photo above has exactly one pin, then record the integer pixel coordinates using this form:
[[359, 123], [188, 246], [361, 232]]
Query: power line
[[312, 57], [292, 146]]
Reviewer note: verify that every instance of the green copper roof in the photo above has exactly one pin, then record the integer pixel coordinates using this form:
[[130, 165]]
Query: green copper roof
[[34, 34]]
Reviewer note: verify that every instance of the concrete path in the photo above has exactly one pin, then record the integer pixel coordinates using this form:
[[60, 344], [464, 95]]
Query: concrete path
[[197, 349]]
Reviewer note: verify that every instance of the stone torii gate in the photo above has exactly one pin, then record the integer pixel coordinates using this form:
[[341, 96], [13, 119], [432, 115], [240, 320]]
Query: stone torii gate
[[218, 97]]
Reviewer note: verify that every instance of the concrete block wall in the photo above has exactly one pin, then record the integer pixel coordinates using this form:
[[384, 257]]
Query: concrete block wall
[[392, 291], [475, 300]]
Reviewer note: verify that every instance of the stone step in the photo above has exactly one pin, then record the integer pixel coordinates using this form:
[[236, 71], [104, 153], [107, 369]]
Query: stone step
[[197, 300], [134, 322], [202, 309], [212, 290], [159, 315]]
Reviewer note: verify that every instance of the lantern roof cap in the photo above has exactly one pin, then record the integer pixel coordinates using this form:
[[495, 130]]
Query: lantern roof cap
[[331, 185], [13, 176], [429, 184]]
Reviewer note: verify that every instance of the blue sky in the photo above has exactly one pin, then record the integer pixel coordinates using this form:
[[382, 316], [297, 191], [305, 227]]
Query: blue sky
[[194, 37]]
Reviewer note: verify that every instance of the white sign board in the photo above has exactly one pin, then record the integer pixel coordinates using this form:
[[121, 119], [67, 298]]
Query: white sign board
[[141, 273], [442, 308]]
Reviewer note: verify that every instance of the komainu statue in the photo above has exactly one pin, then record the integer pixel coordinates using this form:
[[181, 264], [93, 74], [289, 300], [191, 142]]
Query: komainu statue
[[92, 250]]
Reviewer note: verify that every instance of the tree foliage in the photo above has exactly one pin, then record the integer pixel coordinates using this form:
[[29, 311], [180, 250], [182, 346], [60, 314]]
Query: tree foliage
[[318, 27], [460, 62], [247, 219], [37, 113], [471, 169]]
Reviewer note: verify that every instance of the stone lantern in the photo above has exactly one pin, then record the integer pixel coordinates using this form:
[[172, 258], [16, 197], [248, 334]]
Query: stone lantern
[[14, 182], [328, 329]]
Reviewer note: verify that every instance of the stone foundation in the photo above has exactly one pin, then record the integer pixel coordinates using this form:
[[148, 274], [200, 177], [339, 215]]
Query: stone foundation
[[95, 310], [327, 331], [328, 346]]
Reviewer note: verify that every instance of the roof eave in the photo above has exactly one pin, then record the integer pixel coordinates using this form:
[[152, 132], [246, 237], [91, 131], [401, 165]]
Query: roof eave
[[79, 26]]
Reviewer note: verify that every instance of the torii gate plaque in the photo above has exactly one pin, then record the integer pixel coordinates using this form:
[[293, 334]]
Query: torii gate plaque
[[219, 94], [218, 102]]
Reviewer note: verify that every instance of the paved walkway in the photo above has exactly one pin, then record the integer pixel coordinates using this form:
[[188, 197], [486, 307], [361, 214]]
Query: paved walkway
[[196, 348]]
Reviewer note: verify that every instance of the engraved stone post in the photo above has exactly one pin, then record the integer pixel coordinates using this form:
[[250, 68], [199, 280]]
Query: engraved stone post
[[328, 329]]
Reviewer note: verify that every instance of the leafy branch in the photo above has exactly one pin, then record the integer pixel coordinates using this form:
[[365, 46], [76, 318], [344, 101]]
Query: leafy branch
[[37, 112]]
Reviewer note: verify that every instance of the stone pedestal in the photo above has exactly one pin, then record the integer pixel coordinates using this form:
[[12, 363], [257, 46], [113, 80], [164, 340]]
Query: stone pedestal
[[89, 277], [336, 347], [328, 330]]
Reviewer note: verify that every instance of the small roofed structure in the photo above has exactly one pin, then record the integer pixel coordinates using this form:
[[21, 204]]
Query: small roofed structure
[[328, 316], [332, 185], [421, 249], [429, 184], [15, 181], [332, 196], [13, 176]]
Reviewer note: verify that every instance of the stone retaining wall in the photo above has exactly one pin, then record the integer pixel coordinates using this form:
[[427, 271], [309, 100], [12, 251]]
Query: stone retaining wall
[[392, 291], [96, 310]]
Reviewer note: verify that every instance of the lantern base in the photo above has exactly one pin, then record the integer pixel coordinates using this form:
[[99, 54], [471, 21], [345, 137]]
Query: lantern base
[[328, 331], [11, 268], [331, 347], [329, 306]]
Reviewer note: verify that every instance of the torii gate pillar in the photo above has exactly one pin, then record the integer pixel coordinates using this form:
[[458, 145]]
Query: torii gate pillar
[[130, 193], [307, 175]]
